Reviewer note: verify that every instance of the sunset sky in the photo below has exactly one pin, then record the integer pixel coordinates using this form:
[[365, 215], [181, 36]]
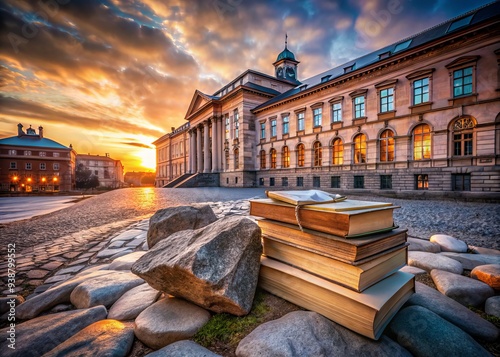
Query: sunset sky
[[113, 76]]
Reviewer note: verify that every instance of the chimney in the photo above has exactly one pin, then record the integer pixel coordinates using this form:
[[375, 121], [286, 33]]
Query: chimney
[[172, 128], [20, 131], [40, 131]]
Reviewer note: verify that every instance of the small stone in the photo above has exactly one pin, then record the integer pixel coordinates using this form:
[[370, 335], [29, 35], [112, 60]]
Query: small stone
[[460, 288], [109, 338], [423, 245], [117, 244], [106, 253], [121, 254], [449, 243], [51, 265], [71, 255], [70, 270], [135, 243], [412, 270], [61, 308], [489, 274], [429, 261], [9, 303], [183, 348], [58, 278], [169, 320], [424, 333], [481, 250], [125, 262], [83, 261], [470, 261], [37, 274], [133, 302], [127, 235], [492, 306]]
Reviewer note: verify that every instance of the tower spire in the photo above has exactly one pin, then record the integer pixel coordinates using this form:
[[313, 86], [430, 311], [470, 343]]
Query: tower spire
[[286, 40]]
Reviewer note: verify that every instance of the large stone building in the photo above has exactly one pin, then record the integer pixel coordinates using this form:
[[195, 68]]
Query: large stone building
[[109, 171], [29, 162], [420, 114]]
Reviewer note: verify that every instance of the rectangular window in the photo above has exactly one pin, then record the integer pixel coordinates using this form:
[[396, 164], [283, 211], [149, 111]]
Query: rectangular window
[[300, 181], [460, 182], [13, 165], [462, 82], [96, 172], [236, 124], [27, 152], [316, 181], [42, 153], [462, 144], [421, 91], [317, 116], [271, 181], [227, 126], [335, 182], [336, 113], [422, 182], [12, 152], [28, 166], [386, 100], [385, 182], [43, 166], [359, 182], [56, 154], [262, 130], [284, 181], [261, 181], [273, 128], [300, 121], [285, 124], [359, 107]]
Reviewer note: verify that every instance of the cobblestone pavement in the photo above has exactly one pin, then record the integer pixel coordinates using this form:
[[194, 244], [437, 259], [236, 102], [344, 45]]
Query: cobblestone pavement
[[53, 247]]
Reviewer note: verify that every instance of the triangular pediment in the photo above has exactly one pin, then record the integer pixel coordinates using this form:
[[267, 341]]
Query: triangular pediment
[[461, 61], [198, 101]]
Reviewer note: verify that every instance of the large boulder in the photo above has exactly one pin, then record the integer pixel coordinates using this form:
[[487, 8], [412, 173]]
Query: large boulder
[[429, 261], [489, 274], [449, 243], [174, 219], [305, 333], [183, 348], [215, 267], [133, 302]]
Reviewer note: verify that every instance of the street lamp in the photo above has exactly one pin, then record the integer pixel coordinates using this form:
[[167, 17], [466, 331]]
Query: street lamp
[[44, 179], [15, 178], [29, 179], [54, 179]]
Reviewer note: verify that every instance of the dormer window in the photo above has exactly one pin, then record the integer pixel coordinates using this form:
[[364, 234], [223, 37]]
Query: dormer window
[[350, 68], [402, 46], [325, 78], [384, 55], [459, 23], [303, 87]]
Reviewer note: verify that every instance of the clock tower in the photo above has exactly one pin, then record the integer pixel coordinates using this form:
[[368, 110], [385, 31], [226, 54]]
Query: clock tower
[[285, 66]]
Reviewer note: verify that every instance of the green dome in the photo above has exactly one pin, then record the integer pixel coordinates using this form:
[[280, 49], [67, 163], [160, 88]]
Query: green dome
[[286, 54]]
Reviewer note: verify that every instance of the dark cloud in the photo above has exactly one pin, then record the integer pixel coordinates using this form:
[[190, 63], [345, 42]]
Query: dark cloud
[[139, 145]]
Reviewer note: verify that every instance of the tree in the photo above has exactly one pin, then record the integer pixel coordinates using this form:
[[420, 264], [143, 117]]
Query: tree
[[84, 178]]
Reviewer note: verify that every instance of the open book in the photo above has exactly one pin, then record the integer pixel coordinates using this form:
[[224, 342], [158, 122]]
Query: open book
[[305, 197]]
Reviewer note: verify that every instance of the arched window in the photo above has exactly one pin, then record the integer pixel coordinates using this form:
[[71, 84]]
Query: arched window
[[463, 136], [387, 146], [421, 142], [236, 159], [272, 155], [301, 155], [262, 159], [360, 149], [318, 153], [337, 152], [285, 157]]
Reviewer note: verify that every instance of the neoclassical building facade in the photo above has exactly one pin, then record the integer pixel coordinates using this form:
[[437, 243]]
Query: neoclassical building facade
[[420, 114]]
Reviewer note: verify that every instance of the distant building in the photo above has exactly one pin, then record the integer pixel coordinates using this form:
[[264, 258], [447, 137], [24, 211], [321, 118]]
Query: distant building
[[108, 171], [138, 179], [29, 162], [421, 114]]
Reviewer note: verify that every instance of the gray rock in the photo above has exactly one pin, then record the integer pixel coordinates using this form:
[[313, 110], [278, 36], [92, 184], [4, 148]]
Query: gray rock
[[425, 334], [125, 262], [429, 261], [107, 253], [133, 302], [53, 296], [488, 274], [460, 288], [412, 270], [470, 261], [423, 245], [9, 304], [169, 320], [174, 219], [42, 334], [305, 333], [481, 250], [453, 312], [104, 290], [108, 338], [216, 266], [449, 243], [122, 253], [492, 306], [183, 349], [127, 235]]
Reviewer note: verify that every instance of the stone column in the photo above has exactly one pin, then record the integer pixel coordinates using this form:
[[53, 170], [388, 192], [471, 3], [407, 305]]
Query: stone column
[[191, 152], [199, 158], [220, 143], [206, 147], [215, 140]]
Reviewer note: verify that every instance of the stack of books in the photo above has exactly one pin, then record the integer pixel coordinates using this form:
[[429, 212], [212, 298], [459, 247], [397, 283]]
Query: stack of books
[[336, 256]]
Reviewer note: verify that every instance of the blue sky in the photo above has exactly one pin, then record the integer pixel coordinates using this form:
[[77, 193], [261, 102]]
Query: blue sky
[[112, 76]]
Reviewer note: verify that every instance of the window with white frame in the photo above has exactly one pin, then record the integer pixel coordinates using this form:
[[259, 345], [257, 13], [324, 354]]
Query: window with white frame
[[273, 127], [12, 152], [386, 100], [27, 152], [336, 112], [43, 166], [55, 154], [286, 124], [227, 124], [28, 166], [317, 116], [263, 130], [42, 153], [462, 72], [359, 107], [13, 165], [301, 121], [236, 124]]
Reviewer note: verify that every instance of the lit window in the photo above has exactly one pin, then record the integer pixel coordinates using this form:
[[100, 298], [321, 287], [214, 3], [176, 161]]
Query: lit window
[[338, 152], [300, 121], [56, 154], [273, 128], [301, 155], [360, 149], [462, 82], [285, 124], [359, 107], [386, 100], [317, 116], [421, 142], [227, 126], [422, 182], [421, 91], [262, 130], [42, 153], [463, 136], [318, 154], [27, 152], [236, 122], [336, 112], [12, 152], [387, 146], [273, 157], [285, 157]]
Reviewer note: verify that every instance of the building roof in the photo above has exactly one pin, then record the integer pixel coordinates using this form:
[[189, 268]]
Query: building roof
[[286, 54], [94, 157], [32, 141], [469, 19]]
